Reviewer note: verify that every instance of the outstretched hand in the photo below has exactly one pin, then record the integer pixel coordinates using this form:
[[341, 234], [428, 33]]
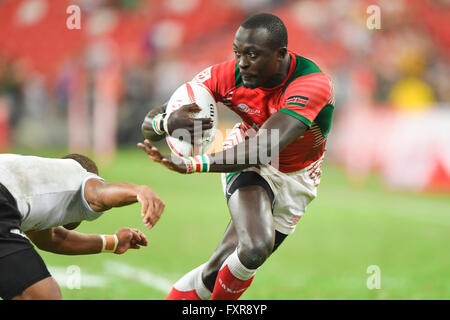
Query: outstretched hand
[[152, 206], [166, 161]]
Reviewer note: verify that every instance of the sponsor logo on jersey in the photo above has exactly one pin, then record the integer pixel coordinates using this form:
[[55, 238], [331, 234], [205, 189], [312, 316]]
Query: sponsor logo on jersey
[[246, 109], [297, 101]]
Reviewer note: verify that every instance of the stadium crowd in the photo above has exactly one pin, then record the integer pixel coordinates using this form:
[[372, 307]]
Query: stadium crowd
[[129, 56]]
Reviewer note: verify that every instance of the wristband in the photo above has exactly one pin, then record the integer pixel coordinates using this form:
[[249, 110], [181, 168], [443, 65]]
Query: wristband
[[159, 123], [110, 242], [164, 123], [197, 164]]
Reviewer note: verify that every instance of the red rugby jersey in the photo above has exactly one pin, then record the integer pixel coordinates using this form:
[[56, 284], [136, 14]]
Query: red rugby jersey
[[306, 94]]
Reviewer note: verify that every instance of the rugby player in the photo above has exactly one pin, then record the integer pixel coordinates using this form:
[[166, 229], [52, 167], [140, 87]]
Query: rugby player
[[277, 93], [46, 199]]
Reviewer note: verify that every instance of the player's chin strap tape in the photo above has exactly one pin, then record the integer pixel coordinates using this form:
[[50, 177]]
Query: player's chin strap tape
[[249, 178]]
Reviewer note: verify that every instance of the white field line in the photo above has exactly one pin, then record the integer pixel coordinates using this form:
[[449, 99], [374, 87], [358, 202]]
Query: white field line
[[68, 279], [139, 275]]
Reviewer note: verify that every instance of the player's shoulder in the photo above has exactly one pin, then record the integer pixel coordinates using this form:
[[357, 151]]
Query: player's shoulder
[[220, 78], [307, 73], [218, 71]]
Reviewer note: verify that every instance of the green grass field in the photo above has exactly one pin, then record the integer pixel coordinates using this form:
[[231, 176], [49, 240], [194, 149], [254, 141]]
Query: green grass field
[[345, 230]]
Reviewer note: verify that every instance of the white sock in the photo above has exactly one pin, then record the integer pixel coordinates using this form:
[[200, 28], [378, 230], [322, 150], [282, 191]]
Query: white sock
[[193, 281], [237, 268]]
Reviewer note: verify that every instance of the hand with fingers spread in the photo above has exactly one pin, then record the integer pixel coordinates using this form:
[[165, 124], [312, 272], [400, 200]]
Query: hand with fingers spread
[[129, 238], [152, 206], [157, 156]]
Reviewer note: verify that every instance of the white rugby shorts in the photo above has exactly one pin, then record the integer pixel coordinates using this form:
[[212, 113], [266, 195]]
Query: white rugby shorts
[[293, 191]]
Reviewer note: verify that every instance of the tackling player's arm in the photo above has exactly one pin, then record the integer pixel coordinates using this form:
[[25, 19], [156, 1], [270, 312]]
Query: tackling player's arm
[[102, 196], [62, 241]]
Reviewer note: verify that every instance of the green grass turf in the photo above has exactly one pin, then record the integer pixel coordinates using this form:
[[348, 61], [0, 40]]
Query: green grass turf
[[345, 230]]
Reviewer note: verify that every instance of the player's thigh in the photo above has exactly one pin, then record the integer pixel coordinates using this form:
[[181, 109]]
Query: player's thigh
[[45, 289], [251, 211]]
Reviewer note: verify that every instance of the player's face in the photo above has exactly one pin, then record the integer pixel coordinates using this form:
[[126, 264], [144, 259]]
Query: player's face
[[258, 62]]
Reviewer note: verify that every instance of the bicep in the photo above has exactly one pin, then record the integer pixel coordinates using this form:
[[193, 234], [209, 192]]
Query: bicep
[[93, 194], [102, 196], [286, 127]]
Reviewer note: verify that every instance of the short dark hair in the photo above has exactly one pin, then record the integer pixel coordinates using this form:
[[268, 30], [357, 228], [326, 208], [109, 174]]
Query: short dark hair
[[273, 24], [84, 161]]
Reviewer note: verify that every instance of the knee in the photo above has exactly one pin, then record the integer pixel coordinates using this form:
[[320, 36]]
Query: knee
[[253, 253]]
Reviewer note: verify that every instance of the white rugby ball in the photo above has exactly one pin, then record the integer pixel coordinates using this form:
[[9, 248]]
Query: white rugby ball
[[192, 92]]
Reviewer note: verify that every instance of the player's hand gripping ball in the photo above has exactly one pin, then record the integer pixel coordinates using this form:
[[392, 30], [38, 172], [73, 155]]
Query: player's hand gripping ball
[[200, 106]]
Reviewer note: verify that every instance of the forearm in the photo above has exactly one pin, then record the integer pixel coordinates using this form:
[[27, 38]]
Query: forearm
[[114, 195], [252, 152], [147, 126], [62, 241], [261, 149]]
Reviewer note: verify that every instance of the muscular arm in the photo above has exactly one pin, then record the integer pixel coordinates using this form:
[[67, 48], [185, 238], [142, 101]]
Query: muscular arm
[[262, 147], [277, 133], [102, 196], [62, 241]]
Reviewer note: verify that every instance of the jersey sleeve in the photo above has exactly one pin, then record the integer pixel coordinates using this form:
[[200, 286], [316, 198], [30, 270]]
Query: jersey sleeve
[[219, 79], [90, 214], [305, 97]]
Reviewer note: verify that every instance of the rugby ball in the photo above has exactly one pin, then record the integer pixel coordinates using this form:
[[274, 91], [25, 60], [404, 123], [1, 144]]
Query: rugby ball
[[192, 92]]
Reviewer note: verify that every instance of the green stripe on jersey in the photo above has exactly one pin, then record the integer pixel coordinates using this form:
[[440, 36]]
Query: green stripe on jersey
[[237, 77], [296, 104], [323, 119], [303, 67], [297, 116]]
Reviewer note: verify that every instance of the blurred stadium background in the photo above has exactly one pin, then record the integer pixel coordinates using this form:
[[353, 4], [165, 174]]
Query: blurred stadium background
[[384, 198]]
